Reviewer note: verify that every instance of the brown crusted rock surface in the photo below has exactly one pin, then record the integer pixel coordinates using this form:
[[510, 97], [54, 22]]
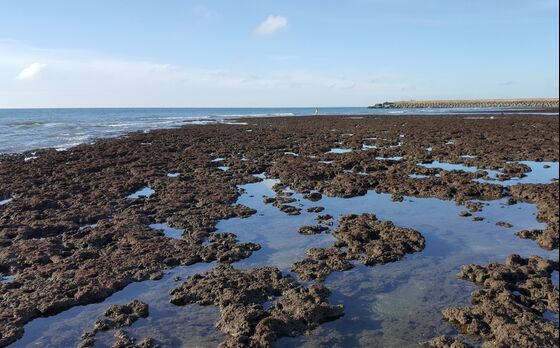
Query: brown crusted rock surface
[[316, 229], [372, 241], [116, 317], [445, 342], [507, 311], [320, 263], [59, 259], [315, 209], [504, 224], [546, 199], [123, 340], [366, 239], [225, 248], [241, 295]]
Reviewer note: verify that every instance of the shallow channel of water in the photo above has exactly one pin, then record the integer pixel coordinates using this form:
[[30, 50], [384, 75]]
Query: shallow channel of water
[[392, 305]]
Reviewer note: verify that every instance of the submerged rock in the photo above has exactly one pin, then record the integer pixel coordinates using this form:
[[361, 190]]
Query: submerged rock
[[504, 224], [116, 317], [445, 342]]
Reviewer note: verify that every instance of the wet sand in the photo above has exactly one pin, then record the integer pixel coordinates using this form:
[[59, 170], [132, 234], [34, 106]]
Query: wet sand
[[80, 225]]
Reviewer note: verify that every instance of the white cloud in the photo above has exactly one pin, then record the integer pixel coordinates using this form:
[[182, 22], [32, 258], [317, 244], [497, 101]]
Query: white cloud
[[31, 72], [88, 79], [271, 25]]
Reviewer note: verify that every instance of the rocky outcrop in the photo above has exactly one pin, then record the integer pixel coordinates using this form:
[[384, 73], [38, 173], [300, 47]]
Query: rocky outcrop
[[362, 238], [508, 310], [242, 297]]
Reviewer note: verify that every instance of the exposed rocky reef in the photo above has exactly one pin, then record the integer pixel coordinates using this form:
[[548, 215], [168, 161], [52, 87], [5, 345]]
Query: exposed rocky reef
[[242, 296], [508, 310], [71, 236], [365, 239], [546, 198]]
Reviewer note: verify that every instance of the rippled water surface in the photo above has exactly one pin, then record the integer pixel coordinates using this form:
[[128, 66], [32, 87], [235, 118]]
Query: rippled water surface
[[28, 129]]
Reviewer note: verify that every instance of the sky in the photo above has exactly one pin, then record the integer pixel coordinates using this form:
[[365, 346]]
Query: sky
[[259, 53]]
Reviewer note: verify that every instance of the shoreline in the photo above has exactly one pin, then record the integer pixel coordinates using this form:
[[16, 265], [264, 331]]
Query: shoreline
[[65, 192], [239, 118]]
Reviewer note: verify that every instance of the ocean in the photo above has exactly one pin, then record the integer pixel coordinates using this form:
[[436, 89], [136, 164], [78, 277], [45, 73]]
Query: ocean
[[28, 129]]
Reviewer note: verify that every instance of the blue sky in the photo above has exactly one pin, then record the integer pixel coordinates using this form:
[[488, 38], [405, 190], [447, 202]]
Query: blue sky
[[273, 53]]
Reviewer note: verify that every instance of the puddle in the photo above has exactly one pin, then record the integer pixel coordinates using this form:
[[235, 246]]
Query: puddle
[[143, 192], [541, 172], [6, 201], [430, 149], [421, 176], [218, 159], [397, 304], [326, 162], [394, 158], [173, 175], [168, 231], [538, 174], [289, 153], [223, 168], [367, 147], [393, 305], [84, 227], [339, 150], [548, 315], [170, 325], [6, 278], [469, 156]]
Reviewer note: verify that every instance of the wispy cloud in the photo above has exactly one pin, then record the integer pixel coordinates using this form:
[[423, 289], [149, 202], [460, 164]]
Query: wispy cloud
[[31, 72], [271, 25], [82, 79]]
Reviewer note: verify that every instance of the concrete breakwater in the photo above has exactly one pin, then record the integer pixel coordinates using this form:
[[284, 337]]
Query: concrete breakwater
[[475, 103]]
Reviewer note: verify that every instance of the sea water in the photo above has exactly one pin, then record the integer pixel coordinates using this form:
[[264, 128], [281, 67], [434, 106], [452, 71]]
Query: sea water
[[28, 129]]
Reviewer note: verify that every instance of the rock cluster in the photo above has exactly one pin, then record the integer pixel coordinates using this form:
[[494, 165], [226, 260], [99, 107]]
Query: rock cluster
[[116, 317], [242, 296], [362, 238], [70, 236], [508, 310]]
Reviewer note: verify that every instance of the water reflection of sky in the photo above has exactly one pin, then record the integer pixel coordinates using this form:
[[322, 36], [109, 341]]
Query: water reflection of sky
[[396, 304]]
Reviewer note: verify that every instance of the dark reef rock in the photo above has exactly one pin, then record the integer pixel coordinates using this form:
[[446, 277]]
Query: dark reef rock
[[241, 295], [508, 310], [320, 263], [366, 239], [70, 236], [446, 342], [372, 241], [116, 317], [308, 230]]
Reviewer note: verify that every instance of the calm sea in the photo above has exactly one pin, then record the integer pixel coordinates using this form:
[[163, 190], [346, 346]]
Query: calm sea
[[28, 129]]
